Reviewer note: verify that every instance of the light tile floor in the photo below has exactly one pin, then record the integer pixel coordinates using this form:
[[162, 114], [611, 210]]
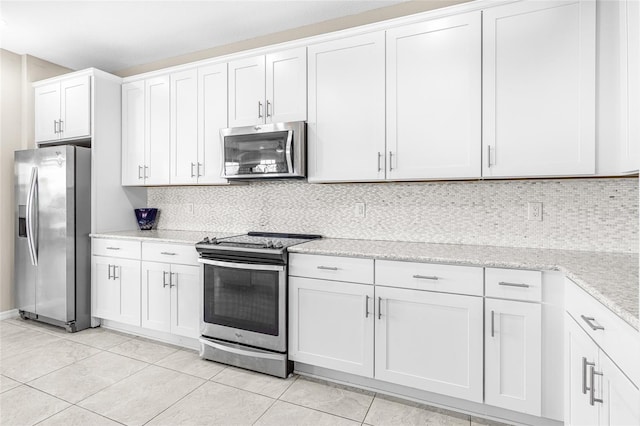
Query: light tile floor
[[100, 377]]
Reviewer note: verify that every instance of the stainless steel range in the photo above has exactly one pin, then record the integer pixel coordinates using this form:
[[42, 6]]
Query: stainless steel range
[[244, 321]]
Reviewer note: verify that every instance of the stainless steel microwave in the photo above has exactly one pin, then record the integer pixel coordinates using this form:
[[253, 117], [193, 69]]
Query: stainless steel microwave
[[264, 151]]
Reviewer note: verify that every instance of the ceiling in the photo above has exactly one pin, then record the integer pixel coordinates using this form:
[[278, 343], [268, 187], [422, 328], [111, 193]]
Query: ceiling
[[115, 35]]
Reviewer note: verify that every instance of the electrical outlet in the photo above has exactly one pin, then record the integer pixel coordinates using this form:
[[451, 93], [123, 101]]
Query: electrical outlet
[[189, 207], [534, 211], [359, 210]]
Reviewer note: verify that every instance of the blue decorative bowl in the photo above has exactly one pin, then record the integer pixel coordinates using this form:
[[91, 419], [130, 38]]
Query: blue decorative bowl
[[146, 218]]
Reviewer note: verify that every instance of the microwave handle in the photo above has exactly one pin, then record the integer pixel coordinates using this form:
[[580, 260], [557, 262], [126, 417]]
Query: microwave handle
[[235, 265], [288, 152]]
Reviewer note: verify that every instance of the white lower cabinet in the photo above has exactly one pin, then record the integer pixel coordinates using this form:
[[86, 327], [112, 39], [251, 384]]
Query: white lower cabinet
[[170, 298], [429, 341], [116, 289], [331, 324], [513, 355]]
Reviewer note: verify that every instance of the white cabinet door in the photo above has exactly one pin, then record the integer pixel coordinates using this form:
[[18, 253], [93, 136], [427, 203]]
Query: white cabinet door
[[185, 300], [429, 341], [434, 99], [539, 89], [133, 129], [212, 116], [346, 125], [47, 112], [157, 146], [75, 107], [513, 355], [156, 296], [184, 127], [580, 355], [331, 324], [630, 83], [621, 399], [246, 92], [105, 294], [286, 86], [127, 273]]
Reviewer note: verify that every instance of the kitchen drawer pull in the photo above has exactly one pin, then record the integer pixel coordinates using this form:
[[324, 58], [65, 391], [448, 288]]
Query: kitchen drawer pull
[[426, 277], [328, 268], [589, 322], [585, 363], [113, 248], [168, 253], [592, 392], [514, 284]]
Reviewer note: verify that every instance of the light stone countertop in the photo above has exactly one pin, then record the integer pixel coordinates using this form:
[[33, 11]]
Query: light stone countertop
[[611, 278], [164, 235]]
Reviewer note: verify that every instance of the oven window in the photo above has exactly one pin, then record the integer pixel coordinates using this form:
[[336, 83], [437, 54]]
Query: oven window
[[243, 299], [261, 153]]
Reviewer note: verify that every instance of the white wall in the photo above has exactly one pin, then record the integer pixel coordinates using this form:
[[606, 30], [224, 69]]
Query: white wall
[[17, 132]]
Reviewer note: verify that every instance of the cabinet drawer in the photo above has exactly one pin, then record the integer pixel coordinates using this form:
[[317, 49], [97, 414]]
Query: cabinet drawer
[[116, 248], [334, 268], [170, 253], [427, 276], [513, 284], [614, 336]]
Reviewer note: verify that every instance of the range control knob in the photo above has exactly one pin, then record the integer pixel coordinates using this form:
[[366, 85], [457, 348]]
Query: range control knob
[[269, 244], [278, 245]]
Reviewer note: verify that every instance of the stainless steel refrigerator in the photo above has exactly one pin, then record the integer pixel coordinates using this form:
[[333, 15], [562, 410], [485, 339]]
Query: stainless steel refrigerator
[[52, 246]]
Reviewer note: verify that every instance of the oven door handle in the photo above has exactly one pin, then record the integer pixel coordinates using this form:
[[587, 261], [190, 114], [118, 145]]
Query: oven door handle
[[235, 265]]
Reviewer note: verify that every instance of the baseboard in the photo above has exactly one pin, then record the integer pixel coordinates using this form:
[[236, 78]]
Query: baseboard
[[8, 314]]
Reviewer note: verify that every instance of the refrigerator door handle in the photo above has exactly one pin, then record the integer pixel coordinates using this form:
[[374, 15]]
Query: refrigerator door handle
[[33, 254]]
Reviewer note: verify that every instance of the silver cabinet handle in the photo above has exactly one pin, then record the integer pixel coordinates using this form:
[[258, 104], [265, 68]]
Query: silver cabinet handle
[[145, 172], [390, 160], [589, 321], [55, 126], [379, 164], [379, 307], [585, 363], [171, 283], [109, 272], [198, 169], [592, 391], [513, 284], [268, 109], [493, 315], [192, 166], [366, 306], [426, 277], [116, 268], [259, 109], [168, 253], [164, 278], [328, 268], [140, 172], [489, 156], [113, 248], [60, 128]]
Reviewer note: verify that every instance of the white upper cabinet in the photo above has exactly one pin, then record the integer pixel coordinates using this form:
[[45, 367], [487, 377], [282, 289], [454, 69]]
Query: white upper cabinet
[[184, 127], [434, 99], [133, 133], [212, 116], [346, 124], [63, 110], [539, 89], [268, 89], [156, 142], [145, 132], [630, 84]]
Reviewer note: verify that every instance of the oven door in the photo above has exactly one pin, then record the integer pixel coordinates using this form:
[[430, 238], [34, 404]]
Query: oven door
[[245, 303]]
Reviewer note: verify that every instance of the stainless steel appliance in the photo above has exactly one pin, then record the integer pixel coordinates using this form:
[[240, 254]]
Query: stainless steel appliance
[[52, 246], [265, 151], [244, 321]]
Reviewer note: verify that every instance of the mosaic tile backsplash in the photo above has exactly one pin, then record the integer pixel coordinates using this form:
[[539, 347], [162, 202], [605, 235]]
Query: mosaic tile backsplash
[[578, 214]]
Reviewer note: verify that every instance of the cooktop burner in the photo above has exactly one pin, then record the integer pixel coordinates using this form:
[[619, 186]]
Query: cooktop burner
[[256, 240]]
